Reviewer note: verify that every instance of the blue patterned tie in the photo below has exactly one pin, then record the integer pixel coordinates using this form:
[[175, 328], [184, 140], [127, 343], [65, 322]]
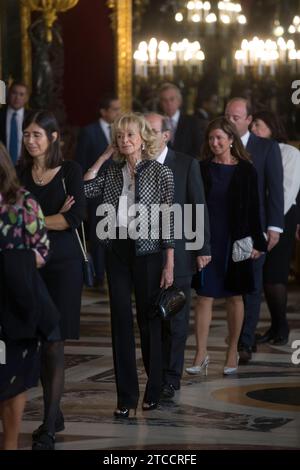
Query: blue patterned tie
[[13, 139]]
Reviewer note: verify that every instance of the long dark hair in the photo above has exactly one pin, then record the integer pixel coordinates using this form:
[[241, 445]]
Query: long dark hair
[[274, 123], [237, 149], [9, 183], [47, 121]]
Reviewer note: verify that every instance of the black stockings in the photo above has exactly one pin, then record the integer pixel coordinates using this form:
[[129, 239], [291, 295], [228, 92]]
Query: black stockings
[[52, 377], [276, 298]]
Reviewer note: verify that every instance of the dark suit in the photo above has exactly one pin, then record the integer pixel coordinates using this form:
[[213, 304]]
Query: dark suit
[[3, 113], [91, 144], [265, 154], [188, 136], [298, 208], [3, 125], [188, 190]]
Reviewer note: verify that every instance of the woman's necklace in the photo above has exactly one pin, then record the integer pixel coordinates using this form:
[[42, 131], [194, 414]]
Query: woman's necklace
[[39, 180], [131, 174]]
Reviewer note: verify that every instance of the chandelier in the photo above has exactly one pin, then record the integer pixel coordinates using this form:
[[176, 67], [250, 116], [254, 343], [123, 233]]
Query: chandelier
[[227, 12], [162, 59], [266, 56], [50, 8]]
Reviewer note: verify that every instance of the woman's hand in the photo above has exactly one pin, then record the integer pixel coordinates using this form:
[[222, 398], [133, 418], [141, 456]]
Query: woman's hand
[[255, 254], [167, 276], [67, 204], [93, 171], [108, 152], [39, 260], [202, 261]]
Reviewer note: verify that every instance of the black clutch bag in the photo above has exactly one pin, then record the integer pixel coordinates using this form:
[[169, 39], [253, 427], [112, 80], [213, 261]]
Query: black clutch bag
[[169, 302]]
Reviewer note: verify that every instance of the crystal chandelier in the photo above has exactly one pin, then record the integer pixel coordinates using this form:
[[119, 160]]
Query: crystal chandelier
[[162, 59], [227, 12]]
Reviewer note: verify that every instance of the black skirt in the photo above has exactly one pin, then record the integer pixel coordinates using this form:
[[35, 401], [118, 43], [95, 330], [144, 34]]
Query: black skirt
[[21, 370]]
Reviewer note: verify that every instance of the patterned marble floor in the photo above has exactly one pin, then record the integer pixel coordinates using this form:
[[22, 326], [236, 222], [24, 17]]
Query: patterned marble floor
[[257, 409]]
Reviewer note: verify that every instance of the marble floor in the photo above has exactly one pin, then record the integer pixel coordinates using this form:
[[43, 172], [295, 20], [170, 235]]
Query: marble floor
[[259, 408]]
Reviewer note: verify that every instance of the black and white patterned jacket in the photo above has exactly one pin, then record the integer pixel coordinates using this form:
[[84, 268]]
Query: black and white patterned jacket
[[154, 185]]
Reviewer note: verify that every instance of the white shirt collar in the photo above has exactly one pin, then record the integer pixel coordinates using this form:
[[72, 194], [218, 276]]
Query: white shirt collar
[[245, 138], [162, 156], [175, 117], [106, 129]]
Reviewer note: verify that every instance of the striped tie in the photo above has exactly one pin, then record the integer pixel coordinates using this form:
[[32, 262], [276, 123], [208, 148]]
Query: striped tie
[[13, 139]]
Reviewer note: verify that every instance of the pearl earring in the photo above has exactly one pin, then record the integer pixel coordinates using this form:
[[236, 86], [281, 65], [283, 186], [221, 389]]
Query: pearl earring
[[143, 146]]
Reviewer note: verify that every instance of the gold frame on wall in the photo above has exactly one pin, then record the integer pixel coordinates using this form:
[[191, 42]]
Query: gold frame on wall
[[25, 13], [122, 27]]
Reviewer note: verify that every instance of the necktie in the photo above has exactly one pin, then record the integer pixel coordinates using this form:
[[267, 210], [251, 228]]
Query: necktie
[[172, 129], [13, 138]]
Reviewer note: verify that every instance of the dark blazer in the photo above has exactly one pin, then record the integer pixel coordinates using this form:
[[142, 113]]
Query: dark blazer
[[266, 157], [3, 112], [189, 136], [188, 190], [3, 125], [91, 144], [244, 220], [25, 304]]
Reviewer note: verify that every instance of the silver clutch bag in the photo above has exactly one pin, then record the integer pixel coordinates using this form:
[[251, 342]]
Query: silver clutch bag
[[242, 249]]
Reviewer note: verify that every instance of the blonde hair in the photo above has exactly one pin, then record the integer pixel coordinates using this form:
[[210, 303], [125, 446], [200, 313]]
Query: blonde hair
[[149, 152]]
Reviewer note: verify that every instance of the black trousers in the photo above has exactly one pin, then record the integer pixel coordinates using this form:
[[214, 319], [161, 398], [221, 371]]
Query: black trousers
[[174, 337], [127, 272]]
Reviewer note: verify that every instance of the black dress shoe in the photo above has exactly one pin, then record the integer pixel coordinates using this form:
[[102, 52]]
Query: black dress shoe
[[124, 412], [168, 391], [149, 406], [245, 353], [59, 426], [44, 441], [265, 338], [279, 340]]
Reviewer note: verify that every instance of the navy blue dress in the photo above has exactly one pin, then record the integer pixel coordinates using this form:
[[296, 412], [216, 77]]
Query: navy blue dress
[[218, 208]]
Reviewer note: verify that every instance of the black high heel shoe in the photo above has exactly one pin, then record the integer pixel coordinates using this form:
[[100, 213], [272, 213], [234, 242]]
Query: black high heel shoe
[[124, 412], [149, 406]]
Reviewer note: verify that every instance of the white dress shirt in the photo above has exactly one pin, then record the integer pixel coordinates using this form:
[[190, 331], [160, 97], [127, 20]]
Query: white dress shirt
[[20, 118], [127, 199], [161, 158], [106, 127], [245, 138], [291, 174]]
